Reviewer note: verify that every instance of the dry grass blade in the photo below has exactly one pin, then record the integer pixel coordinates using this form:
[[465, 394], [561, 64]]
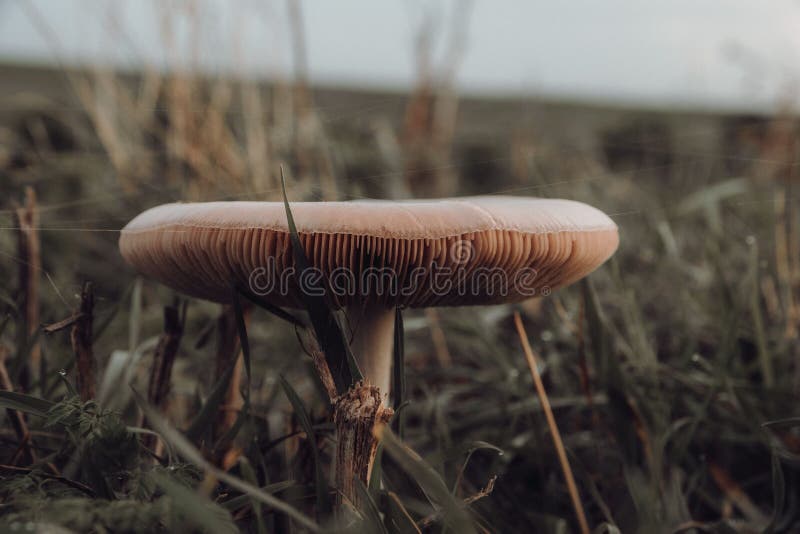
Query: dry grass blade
[[62, 324], [81, 337], [438, 338], [29, 271], [163, 359], [551, 422], [733, 490], [229, 349]]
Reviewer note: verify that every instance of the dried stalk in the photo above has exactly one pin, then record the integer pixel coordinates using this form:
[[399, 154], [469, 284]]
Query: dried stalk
[[551, 422], [438, 338], [29, 268], [81, 337], [15, 417], [228, 348], [163, 358]]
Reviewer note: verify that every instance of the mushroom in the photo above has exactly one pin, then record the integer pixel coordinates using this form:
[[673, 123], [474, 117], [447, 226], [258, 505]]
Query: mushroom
[[373, 256]]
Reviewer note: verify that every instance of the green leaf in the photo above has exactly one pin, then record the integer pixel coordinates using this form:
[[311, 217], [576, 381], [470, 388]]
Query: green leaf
[[237, 502], [271, 308], [12, 400], [249, 475], [372, 521], [204, 418], [192, 507], [233, 431], [188, 451], [778, 496], [397, 518], [241, 328], [330, 335], [377, 471], [323, 502], [454, 514]]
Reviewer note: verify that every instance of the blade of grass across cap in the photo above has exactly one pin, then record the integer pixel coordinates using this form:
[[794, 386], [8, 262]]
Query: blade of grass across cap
[[398, 373], [372, 521], [271, 308], [11, 400], [323, 502], [202, 421], [193, 507], [454, 514], [329, 331], [190, 453]]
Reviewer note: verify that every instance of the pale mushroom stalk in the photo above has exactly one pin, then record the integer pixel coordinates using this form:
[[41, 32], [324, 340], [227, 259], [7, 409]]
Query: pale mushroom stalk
[[363, 406], [373, 344]]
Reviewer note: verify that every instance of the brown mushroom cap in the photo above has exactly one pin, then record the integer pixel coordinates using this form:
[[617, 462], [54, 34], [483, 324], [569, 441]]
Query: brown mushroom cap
[[532, 245]]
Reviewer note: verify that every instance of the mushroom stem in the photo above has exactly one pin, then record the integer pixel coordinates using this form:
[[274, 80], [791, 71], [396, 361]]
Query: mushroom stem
[[372, 344], [361, 408]]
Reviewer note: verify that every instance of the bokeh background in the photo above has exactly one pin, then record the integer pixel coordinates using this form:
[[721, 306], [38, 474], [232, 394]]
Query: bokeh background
[[674, 372]]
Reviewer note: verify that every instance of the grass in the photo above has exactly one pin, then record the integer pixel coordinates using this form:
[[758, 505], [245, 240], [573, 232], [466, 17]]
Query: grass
[[672, 373]]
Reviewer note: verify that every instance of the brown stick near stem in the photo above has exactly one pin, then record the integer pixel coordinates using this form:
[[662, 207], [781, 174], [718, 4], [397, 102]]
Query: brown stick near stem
[[356, 414], [551, 422], [29, 251], [438, 338], [228, 348], [15, 417], [163, 359], [82, 339]]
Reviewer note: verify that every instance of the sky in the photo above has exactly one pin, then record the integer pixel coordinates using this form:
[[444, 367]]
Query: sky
[[733, 54]]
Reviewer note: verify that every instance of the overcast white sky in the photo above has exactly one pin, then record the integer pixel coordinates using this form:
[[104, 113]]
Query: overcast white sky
[[722, 53]]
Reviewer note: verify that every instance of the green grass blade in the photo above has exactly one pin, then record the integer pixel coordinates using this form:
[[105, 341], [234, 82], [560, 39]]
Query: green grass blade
[[204, 418], [372, 521], [271, 308], [375, 477], [190, 453], [194, 508], [242, 500], [329, 332], [241, 328], [323, 502], [249, 474], [397, 518], [11, 400], [454, 514]]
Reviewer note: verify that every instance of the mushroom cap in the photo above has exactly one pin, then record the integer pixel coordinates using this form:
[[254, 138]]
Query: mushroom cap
[[447, 252]]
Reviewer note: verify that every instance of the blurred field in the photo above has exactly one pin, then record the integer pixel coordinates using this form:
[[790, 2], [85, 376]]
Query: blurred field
[[673, 372]]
